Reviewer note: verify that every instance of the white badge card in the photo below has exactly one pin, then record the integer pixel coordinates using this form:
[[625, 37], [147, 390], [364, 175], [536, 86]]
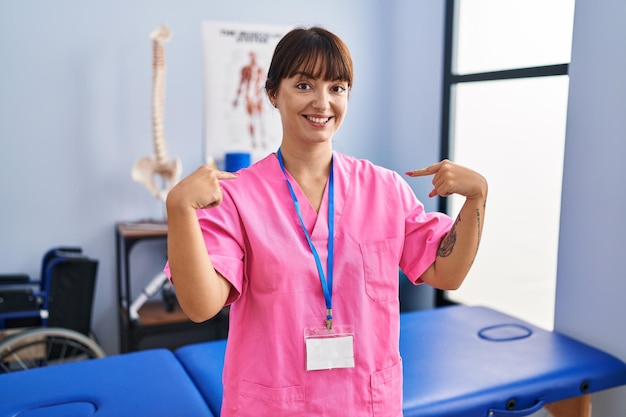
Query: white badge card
[[329, 349]]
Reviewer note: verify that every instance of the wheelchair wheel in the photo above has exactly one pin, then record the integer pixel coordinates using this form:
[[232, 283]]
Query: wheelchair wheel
[[46, 346]]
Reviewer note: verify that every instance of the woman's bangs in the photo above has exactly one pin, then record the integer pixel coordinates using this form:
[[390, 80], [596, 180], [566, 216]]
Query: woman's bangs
[[321, 63]]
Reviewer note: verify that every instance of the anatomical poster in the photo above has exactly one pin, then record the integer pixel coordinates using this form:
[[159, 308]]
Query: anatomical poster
[[238, 114]]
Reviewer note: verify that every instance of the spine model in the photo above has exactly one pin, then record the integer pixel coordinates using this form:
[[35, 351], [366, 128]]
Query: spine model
[[158, 165]]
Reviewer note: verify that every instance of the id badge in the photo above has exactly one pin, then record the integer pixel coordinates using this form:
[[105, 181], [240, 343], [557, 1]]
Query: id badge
[[329, 349]]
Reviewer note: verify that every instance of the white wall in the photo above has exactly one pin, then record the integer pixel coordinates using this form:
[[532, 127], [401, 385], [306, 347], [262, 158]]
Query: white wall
[[591, 281], [75, 96]]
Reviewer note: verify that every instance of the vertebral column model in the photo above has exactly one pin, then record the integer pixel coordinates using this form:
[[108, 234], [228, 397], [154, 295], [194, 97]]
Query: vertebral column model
[[147, 168]]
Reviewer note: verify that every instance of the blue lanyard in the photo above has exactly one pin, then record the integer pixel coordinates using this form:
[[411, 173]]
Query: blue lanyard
[[327, 285]]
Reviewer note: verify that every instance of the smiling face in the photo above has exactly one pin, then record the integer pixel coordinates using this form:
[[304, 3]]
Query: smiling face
[[311, 108], [308, 81]]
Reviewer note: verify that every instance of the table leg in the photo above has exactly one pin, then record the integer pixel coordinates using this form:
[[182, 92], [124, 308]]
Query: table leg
[[572, 407]]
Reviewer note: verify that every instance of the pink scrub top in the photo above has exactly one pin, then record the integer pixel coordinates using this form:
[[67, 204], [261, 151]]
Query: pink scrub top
[[255, 240]]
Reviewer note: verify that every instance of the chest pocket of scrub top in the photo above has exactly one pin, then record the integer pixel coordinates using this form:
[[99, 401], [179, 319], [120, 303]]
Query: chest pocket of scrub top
[[380, 267]]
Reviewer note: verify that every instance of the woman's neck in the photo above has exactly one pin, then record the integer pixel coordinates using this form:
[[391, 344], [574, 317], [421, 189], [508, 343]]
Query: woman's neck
[[311, 169], [312, 162]]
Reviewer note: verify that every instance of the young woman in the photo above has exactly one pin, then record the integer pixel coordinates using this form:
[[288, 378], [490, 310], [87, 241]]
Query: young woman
[[305, 247]]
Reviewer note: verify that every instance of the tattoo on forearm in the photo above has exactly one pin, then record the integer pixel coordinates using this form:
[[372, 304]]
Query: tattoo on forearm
[[447, 243]]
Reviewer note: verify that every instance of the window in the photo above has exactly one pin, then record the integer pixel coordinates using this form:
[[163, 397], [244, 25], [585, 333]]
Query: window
[[504, 114]]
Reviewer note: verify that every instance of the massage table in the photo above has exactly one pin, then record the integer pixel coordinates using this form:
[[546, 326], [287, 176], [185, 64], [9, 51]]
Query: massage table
[[466, 361], [459, 361], [149, 383], [475, 361]]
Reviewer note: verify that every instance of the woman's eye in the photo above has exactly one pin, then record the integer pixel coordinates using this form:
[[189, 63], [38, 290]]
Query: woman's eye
[[339, 89], [303, 86]]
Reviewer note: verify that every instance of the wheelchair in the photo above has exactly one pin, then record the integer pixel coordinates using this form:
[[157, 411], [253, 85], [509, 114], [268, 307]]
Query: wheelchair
[[48, 321]]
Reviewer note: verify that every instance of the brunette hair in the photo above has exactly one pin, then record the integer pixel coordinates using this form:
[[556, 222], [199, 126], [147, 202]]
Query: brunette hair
[[301, 50]]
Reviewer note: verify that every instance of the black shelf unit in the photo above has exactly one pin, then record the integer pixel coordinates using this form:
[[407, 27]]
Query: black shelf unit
[[155, 327]]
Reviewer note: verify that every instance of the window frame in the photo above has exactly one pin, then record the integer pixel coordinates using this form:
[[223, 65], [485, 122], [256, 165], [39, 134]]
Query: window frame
[[450, 80]]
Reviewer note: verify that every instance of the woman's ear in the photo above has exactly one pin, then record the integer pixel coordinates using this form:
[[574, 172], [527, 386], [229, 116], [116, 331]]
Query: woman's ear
[[271, 95]]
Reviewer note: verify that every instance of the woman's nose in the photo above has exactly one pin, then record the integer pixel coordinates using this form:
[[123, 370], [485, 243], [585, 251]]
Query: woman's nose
[[321, 100]]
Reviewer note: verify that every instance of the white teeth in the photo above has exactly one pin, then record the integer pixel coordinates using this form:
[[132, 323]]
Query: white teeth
[[319, 119]]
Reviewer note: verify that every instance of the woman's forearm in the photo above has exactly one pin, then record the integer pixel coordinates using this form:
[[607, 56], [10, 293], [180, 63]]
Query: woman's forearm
[[458, 248]]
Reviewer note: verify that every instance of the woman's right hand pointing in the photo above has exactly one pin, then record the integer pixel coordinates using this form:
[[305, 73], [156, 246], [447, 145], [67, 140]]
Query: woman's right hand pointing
[[200, 189]]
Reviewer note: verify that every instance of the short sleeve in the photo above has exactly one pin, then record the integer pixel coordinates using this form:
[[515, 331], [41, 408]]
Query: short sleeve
[[223, 238], [423, 234]]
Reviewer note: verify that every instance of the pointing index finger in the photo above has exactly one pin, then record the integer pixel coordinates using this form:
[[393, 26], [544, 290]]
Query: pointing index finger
[[419, 172], [225, 175], [430, 170]]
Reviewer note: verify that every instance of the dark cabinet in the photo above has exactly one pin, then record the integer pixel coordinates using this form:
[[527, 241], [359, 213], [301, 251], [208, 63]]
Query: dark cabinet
[[153, 324]]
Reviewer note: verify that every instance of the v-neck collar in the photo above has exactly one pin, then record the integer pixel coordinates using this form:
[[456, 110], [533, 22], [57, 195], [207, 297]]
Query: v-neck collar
[[317, 223]]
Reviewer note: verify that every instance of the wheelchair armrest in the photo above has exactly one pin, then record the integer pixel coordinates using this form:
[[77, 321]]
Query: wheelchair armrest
[[12, 279]]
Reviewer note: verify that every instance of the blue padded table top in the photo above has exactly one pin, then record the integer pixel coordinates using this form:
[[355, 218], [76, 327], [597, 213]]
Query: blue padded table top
[[204, 363], [148, 383], [470, 361], [464, 361]]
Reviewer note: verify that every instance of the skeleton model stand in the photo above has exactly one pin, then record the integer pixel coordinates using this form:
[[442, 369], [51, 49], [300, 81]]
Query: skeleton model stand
[[147, 168]]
